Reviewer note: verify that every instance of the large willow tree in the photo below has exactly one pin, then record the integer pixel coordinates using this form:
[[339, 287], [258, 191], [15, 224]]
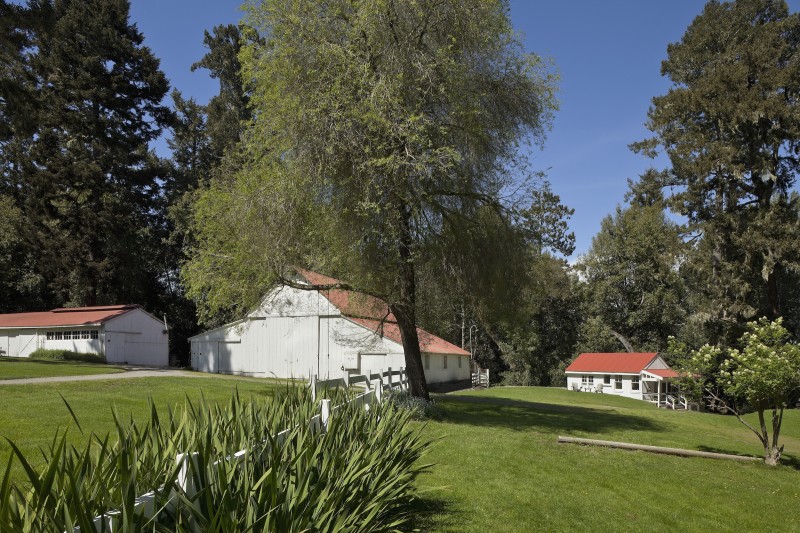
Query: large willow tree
[[383, 131]]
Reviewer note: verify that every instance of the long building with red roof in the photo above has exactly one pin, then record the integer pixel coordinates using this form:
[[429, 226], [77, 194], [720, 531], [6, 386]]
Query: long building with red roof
[[297, 333], [643, 376], [121, 333]]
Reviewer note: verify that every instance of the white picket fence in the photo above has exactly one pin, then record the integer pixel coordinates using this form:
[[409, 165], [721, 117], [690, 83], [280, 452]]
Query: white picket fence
[[374, 385]]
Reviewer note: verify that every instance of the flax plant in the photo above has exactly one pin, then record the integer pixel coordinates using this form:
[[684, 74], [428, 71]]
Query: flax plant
[[245, 473]]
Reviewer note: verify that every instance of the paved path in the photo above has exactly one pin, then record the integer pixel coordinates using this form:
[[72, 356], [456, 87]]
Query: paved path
[[130, 372]]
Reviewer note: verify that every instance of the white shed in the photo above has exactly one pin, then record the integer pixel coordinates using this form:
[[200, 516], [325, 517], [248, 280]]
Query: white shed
[[122, 333], [296, 333]]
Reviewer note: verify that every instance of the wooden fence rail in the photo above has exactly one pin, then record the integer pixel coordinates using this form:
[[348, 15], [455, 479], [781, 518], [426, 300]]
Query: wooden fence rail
[[374, 386]]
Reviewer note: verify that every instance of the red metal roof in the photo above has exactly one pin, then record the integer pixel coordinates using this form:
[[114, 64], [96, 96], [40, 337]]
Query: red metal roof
[[373, 313], [64, 316], [624, 363], [663, 372]]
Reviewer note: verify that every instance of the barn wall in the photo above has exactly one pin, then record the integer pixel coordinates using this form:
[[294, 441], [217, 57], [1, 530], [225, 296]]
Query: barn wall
[[19, 342], [136, 338], [435, 371], [295, 334]]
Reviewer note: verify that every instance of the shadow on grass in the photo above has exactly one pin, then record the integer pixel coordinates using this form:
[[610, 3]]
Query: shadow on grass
[[429, 511], [786, 459], [522, 415]]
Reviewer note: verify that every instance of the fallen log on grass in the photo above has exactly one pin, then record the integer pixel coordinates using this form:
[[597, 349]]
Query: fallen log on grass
[[655, 449]]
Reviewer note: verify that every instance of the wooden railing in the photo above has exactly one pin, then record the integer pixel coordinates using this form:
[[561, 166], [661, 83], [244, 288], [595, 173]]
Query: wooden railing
[[480, 377], [374, 385]]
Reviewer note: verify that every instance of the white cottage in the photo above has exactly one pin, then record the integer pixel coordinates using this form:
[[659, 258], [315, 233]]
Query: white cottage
[[296, 333], [642, 376], [122, 333]]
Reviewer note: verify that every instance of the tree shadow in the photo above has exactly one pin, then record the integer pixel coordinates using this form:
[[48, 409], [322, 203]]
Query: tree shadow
[[522, 415], [428, 511], [786, 459]]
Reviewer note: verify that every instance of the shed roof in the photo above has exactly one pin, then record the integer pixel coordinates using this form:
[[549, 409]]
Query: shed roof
[[65, 316], [624, 363], [373, 313], [663, 372]]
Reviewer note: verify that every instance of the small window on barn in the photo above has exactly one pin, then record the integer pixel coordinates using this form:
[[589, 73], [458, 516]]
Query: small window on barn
[[459, 362], [58, 335], [607, 379], [617, 382], [85, 334], [444, 358], [635, 383], [94, 334], [427, 361]]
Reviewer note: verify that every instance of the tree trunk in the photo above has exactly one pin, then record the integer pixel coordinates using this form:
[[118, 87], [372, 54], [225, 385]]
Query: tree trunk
[[405, 309], [772, 296], [408, 333]]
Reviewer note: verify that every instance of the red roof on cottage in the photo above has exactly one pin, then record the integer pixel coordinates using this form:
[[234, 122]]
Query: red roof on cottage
[[373, 313], [663, 372], [64, 316], [623, 363]]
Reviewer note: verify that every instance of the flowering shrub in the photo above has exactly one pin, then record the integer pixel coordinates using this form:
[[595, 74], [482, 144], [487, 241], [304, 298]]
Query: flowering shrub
[[764, 373]]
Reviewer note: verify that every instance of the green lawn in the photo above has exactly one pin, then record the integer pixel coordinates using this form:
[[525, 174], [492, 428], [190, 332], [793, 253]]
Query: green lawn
[[22, 367], [499, 468], [31, 413]]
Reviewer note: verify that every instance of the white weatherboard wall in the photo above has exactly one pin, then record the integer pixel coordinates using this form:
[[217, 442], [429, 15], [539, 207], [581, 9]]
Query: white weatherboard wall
[[134, 337], [598, 378], [137, 338], [297, 333]]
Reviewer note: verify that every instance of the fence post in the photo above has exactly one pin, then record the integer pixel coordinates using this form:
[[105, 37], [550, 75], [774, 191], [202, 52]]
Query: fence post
[[325, 414], [389, 375], [403, 379], [187, 473], [313, 387], [378, 390], [346, 378]]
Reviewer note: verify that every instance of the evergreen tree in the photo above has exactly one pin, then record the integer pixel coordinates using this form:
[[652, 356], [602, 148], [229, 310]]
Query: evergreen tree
[[731, 128], [86, 182], [634, 297]]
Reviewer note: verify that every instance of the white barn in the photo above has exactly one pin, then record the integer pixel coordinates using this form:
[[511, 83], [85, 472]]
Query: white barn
[[297, 333], [642, 376], [122, 333]]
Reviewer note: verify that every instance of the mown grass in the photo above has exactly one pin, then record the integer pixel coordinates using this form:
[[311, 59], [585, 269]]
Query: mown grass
[[32, 413], [22, 367], [499, 468]]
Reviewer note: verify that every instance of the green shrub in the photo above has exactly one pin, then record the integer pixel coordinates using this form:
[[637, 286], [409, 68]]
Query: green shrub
[[357, 476], [67, 355], [418, 408]]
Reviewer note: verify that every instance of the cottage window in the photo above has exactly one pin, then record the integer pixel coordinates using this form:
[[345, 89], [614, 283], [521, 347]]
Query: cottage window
[[587, 380], [617, 382], [444, 358], [93, 334], [50, 335], [459, 362], [607, 379], [76, 334], [635, 383], [58, 335], [427, 361], [85, 334]]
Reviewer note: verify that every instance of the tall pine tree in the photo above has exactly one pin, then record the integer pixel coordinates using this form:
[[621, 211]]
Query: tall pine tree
[[88, 184]]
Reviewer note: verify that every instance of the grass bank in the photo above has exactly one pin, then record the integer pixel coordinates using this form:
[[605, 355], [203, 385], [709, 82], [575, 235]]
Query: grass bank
[[22, 367], [499, 468]]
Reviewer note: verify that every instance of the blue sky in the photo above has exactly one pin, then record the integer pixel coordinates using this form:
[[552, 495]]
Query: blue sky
[[608, 54]]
